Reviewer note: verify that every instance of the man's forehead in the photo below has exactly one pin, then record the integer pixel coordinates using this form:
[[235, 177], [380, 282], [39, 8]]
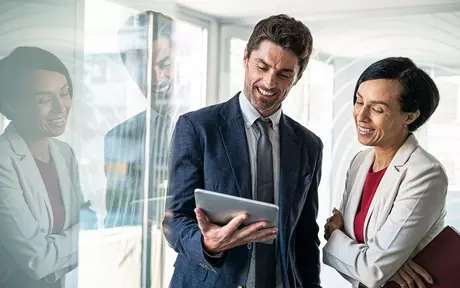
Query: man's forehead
[[276, 60]]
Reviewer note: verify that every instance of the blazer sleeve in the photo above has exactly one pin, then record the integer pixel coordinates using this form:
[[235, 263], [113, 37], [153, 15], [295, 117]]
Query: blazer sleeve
[[418, 206], [39, 255], [342, 206], [72, 259], [186, 174], [74, 171], [307, 240]]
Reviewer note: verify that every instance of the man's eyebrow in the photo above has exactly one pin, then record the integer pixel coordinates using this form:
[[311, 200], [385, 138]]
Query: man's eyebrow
[[162, 61]]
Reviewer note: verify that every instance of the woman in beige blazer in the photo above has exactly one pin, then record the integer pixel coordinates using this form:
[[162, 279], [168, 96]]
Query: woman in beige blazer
[[40, 194], [395, 192]]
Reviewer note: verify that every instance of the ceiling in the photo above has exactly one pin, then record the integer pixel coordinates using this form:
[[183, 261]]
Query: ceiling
[[428, 31], [429, 39], [314, 9]]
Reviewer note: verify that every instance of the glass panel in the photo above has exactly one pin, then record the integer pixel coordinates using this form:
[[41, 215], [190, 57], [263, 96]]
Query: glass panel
[[117, 86], [91, 196], [111, 159], [40, 195]]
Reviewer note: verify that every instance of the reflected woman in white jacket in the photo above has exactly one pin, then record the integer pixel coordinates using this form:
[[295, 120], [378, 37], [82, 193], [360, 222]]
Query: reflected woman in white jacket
[[395, 192], [40, 194]]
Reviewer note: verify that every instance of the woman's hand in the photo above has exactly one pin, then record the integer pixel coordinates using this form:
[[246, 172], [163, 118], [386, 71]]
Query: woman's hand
[[335, 222], [410, 275]]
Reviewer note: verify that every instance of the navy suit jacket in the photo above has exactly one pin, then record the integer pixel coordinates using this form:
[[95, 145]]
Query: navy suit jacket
[[210, 151]]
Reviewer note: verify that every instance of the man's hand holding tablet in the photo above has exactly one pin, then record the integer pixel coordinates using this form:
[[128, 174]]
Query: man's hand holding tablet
[[233, 221]]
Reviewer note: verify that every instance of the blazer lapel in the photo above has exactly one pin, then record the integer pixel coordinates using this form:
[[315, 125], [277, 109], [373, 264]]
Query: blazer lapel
[[35, 193], [391, 175], [65, 184], [356, 193], [290, 148], [233, 136]]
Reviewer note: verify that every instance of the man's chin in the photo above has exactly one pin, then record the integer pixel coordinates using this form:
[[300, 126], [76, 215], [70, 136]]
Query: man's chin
[[163, 108], [264, 106]]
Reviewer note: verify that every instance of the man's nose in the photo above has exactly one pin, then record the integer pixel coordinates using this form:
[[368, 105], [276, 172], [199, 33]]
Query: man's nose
[[159, 75], [270, 80]]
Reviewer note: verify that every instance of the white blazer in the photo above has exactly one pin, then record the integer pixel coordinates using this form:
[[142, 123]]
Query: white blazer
[[26, 218], [406, 213]]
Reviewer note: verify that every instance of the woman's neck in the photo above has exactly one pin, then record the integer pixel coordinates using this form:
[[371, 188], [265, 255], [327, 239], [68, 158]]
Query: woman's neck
[[40, 149], [384, 155], [38, 146]]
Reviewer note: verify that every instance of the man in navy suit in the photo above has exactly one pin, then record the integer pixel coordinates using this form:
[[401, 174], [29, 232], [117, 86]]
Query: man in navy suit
[[247, 147]]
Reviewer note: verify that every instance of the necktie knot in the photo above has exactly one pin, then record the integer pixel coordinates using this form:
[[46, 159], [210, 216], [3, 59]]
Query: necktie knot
[[264, 125]]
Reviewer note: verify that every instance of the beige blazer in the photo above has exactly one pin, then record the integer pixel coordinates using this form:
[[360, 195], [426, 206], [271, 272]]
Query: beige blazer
[[26, 218], [406, 213]]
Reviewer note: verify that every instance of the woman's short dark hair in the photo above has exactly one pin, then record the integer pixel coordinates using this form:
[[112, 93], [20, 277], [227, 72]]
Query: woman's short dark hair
[[285, 31], [22, 60], [418, 90]]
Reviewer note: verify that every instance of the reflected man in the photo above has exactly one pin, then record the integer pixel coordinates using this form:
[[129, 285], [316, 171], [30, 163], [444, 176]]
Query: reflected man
[[124, 145]]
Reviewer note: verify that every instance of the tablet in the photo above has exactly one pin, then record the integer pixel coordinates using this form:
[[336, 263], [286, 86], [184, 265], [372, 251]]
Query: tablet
[[221, 208]]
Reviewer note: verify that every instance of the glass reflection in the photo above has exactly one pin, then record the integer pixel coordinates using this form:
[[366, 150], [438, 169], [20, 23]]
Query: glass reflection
[[40, 196]]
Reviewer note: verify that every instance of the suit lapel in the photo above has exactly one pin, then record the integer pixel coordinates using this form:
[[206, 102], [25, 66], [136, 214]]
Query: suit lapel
[[391, 175], [290, 148], [233, 136], [356, 193]]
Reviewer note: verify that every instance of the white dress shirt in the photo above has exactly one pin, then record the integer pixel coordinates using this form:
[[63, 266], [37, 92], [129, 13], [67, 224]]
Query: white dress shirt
[[250, 115]]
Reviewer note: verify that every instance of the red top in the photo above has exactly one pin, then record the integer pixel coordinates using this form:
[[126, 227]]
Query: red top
[[370, 186], [51, 180]]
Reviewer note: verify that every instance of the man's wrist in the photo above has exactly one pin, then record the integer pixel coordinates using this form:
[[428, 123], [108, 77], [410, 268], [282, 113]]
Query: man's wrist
[[210, 253], [218, 255]]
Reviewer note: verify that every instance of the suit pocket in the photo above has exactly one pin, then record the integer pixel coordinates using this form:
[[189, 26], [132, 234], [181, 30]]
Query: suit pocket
[[190, 272]]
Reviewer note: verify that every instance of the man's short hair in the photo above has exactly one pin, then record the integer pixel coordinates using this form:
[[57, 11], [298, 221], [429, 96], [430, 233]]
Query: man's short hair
[[136, 28], [285, 31]]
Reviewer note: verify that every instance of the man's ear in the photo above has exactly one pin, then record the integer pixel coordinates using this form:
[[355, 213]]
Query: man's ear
[[298, 78], [412, 116], [245, 57]]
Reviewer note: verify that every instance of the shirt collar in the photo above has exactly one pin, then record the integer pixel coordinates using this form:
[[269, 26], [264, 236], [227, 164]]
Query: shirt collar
[[153, 115], [250, 113]]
